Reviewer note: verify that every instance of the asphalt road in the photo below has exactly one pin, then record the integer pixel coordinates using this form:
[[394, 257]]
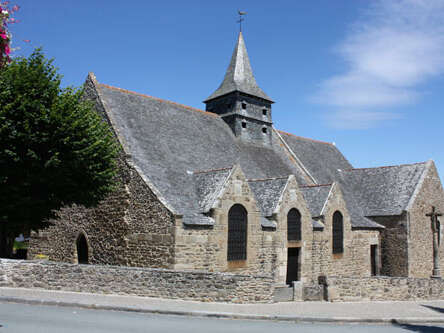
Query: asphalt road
[[20, 318]]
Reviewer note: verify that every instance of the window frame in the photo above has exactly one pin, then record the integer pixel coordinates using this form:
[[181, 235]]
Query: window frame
[[294, 233], [237, 237], [337, 230]]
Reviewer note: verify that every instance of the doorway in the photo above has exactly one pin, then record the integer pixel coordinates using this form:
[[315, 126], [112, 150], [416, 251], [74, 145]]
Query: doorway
[[82, 250], [293, 265], [374, 259]]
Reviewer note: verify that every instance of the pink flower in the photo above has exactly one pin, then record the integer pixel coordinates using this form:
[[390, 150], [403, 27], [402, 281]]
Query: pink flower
[[3, 35], [7, 50], [15, 8]]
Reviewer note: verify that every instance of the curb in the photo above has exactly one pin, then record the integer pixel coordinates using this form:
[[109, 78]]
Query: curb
[[227, 315]]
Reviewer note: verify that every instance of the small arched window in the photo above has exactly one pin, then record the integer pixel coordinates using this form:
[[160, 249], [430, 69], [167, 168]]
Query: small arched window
[[294, 225], [237, 233], [82, 249], [338, 233]]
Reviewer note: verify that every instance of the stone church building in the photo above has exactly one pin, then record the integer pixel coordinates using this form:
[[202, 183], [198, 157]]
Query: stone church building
[[223, 190]]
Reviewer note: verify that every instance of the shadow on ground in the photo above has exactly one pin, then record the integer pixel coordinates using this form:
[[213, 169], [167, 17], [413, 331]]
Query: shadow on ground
[[418, 328], [434, 308]]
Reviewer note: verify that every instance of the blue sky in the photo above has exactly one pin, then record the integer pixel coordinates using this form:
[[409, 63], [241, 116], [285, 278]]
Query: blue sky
[[367, 75]]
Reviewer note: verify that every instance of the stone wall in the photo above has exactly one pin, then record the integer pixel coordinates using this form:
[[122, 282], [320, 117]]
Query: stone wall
[[355, 259], [199, 247], [383, 289], [420, 245], [149, 282], [130, 227], [293, 198], [394, 245]]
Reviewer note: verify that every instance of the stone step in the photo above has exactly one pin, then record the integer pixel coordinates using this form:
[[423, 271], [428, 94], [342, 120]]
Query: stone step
[[283, 294]]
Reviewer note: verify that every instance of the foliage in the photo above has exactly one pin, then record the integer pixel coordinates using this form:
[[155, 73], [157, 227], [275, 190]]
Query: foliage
[[55, 149], [20, 245], [5, 36]]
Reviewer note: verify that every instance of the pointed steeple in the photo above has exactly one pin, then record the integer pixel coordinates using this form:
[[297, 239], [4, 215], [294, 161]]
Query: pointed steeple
[[239, 76]]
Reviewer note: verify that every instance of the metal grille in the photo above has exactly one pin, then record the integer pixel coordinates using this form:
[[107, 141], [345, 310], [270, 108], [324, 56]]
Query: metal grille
[[237, 233], [338, 233], [294, 225]]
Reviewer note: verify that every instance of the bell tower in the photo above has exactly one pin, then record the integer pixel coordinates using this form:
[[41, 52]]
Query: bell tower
[[240, 102]]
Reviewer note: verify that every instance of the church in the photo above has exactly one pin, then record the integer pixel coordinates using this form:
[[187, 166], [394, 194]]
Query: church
[[224, 190]]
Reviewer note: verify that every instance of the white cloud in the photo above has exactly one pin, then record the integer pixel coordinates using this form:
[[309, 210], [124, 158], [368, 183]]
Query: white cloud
[[349, 119], [394, 47]]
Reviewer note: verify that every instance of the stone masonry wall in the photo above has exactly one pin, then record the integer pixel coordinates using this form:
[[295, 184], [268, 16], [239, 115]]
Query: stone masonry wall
[[384, 289], [130, 227], [150, 282], [355, 260], [293, 198], [200, 247], [394, 245], [420, 245]]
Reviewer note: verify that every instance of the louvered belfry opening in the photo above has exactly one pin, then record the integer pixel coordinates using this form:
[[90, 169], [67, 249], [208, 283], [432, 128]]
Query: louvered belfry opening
[[237, 233], [294, 225], [338, 233]]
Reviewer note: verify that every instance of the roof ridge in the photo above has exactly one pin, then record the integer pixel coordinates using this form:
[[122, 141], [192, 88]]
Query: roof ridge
[[265, 179], [308, 139], [158, 99], [315, 185], [386, 166], [211, 170]]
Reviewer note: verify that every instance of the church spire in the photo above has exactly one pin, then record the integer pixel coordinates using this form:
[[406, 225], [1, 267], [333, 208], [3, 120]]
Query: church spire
[[240, 102], [239, 76]]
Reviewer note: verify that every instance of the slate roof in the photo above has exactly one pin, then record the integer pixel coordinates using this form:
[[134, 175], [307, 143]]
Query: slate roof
[[267, 193], [208, 184], [168, 142], [239, 75], [321, 159], [316, 196], [384, 190]]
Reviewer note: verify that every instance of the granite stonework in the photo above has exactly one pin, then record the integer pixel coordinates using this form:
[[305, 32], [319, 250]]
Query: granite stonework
[[188, 285], [394, 245], [354, 261], [420, 245], [182, 169], [130, 227], [383, 289]]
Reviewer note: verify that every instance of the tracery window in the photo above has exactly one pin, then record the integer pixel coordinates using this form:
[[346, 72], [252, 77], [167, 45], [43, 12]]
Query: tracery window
[[338, 233], [294, 225], [237, 233]]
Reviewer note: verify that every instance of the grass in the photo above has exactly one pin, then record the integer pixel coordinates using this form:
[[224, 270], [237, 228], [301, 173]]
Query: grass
[[20, 245]]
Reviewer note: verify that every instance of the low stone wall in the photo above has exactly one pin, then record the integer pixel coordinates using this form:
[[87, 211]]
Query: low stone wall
[[187, 285], [383, 289]]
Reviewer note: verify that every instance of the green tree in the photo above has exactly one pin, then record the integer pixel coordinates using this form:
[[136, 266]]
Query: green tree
[[55, 149]]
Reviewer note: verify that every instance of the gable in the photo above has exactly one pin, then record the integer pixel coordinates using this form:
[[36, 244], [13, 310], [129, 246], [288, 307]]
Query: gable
[[384, 190], [316, 197], [267, 193]]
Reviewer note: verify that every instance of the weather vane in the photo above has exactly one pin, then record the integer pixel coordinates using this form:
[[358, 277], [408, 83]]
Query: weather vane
[[241, 19]]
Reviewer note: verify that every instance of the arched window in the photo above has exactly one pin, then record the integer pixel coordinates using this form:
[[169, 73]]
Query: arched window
[[338, 233], [237, 233], [294, 225], [82, 249]]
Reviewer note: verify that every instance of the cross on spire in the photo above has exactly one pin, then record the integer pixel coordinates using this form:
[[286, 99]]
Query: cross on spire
[[241, 19]]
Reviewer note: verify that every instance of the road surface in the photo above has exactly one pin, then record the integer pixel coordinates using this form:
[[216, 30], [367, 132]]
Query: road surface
[[23, 318]]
